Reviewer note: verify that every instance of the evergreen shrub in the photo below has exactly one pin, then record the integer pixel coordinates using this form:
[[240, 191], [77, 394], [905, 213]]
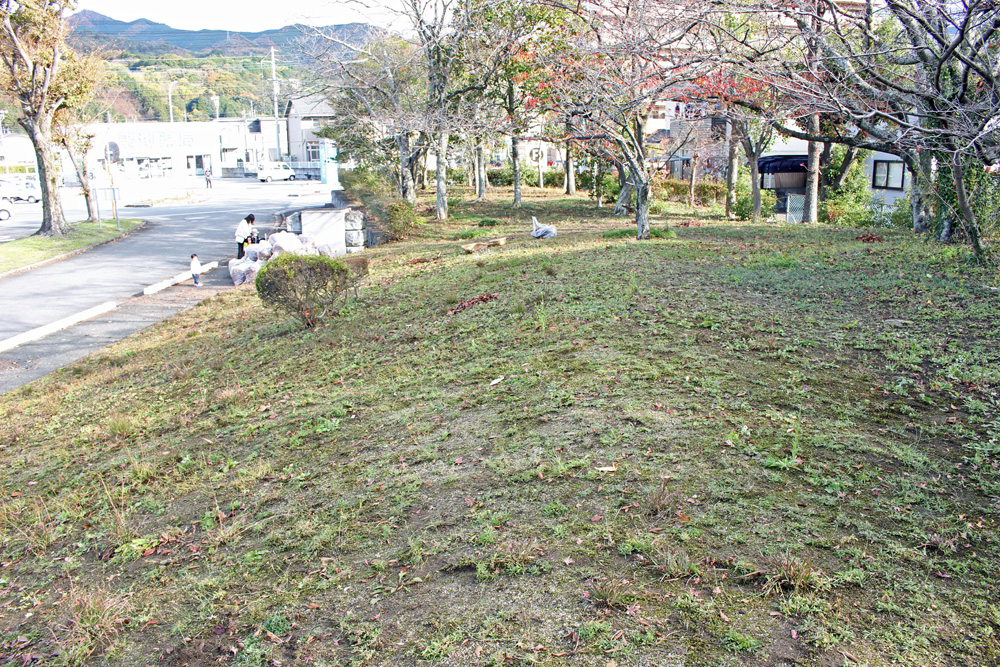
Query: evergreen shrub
[[304, 286], [402, 219]]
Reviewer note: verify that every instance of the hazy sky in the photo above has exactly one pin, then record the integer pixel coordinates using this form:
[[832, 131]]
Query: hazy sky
[[243, 15]]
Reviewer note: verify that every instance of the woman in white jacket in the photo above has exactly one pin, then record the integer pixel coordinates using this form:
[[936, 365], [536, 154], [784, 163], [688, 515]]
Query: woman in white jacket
[[242, 232]]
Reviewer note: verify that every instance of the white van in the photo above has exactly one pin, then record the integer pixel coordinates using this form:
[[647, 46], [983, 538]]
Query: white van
[[19, 189], [275, 171]]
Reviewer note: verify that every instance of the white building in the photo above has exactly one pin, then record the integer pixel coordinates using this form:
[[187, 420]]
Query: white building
[[153, 149], [783, 170], [17, 158]]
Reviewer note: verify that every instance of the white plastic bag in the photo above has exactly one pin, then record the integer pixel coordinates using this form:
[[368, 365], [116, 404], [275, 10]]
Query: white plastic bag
[[285, 242], [540, 231]]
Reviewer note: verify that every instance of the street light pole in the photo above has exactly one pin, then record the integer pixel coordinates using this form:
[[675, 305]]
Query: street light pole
[[170, 99], [277, 128]]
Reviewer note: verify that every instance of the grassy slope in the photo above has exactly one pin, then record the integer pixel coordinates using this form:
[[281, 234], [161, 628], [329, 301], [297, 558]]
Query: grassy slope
[[714, 450], [32, 249]]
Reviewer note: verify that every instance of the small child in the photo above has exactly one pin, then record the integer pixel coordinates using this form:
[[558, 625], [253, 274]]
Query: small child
[[196, 270]]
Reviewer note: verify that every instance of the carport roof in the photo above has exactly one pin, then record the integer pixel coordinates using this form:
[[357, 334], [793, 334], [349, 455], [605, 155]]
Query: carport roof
[[781, 164]]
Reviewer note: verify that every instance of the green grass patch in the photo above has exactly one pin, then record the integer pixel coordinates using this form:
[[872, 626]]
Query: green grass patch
[[32, 249], [751, 445], [655, 232], [472, 234]]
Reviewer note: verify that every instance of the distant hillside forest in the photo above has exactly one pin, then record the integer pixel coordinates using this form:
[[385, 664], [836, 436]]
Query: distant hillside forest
[[137, 87], [144, 57]]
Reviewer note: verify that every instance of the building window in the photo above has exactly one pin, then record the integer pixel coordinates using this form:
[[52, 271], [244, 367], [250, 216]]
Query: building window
[[312, 151], [888, 175], [719, 128]]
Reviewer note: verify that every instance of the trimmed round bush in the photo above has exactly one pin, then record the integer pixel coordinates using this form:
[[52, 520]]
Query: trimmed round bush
[[304, 286]]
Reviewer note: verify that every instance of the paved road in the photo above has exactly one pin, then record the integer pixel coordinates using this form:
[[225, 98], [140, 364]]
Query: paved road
[[25, 218], [178, 223], [36, 359], [194, 221]]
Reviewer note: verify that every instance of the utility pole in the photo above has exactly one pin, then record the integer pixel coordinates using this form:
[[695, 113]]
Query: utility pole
[[170, 99], [277, 127]]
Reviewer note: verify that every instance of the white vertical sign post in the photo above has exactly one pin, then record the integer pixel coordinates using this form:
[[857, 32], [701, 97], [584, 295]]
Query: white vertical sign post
[[112, 195]]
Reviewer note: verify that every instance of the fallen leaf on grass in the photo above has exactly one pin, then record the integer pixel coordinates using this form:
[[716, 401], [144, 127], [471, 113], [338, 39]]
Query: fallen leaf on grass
[[498, 380], [482, 298]]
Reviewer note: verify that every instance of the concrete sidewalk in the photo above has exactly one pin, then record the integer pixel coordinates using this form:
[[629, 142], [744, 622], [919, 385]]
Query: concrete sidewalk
[[33, 360]]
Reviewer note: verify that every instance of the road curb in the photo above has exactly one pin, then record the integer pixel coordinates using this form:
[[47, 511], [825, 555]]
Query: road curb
[[179, 278], [58, 325], [71, 253]]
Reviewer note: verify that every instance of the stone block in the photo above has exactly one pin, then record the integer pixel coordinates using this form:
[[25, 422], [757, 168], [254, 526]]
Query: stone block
[[354, 220], [354, 238]]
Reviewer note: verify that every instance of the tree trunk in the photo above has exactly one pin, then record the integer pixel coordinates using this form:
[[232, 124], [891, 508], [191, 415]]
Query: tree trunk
[[946, 230], [597, 184], [53, 219], [541, 161], [624, 199], [692, 180], [515, 159], [969, 222], [481, 182], [407, 189], [755, 190], [811, 212], [570, 167], [442, 177], [472, 173], [731, 175], [641, 208], [845, 166], [920, 196], [624, 192], [80, 166]]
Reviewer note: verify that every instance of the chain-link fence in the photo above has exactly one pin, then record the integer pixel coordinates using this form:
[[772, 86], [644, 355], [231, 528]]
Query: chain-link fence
[[796, 208]]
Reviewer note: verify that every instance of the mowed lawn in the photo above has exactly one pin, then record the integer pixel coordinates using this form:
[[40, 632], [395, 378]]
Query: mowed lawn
[[746, 445]]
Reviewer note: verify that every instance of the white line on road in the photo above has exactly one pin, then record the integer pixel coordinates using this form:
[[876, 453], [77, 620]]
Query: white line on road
[[65, 323], [179, 278]]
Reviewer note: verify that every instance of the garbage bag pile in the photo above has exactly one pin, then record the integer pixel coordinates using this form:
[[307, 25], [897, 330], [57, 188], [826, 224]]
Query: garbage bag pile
[[245, 270], [540, 231]]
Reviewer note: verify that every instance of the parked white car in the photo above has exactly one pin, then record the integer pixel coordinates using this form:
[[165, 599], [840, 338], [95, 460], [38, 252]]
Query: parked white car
[[19, 190], [275, 171]]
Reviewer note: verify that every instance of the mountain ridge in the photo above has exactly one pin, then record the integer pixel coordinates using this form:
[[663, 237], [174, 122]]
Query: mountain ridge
[[95, 31]]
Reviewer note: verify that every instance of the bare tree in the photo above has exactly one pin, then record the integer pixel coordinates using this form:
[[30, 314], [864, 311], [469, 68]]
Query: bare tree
[[378, 89], [629, 55], [915, 78], [43, 75]]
